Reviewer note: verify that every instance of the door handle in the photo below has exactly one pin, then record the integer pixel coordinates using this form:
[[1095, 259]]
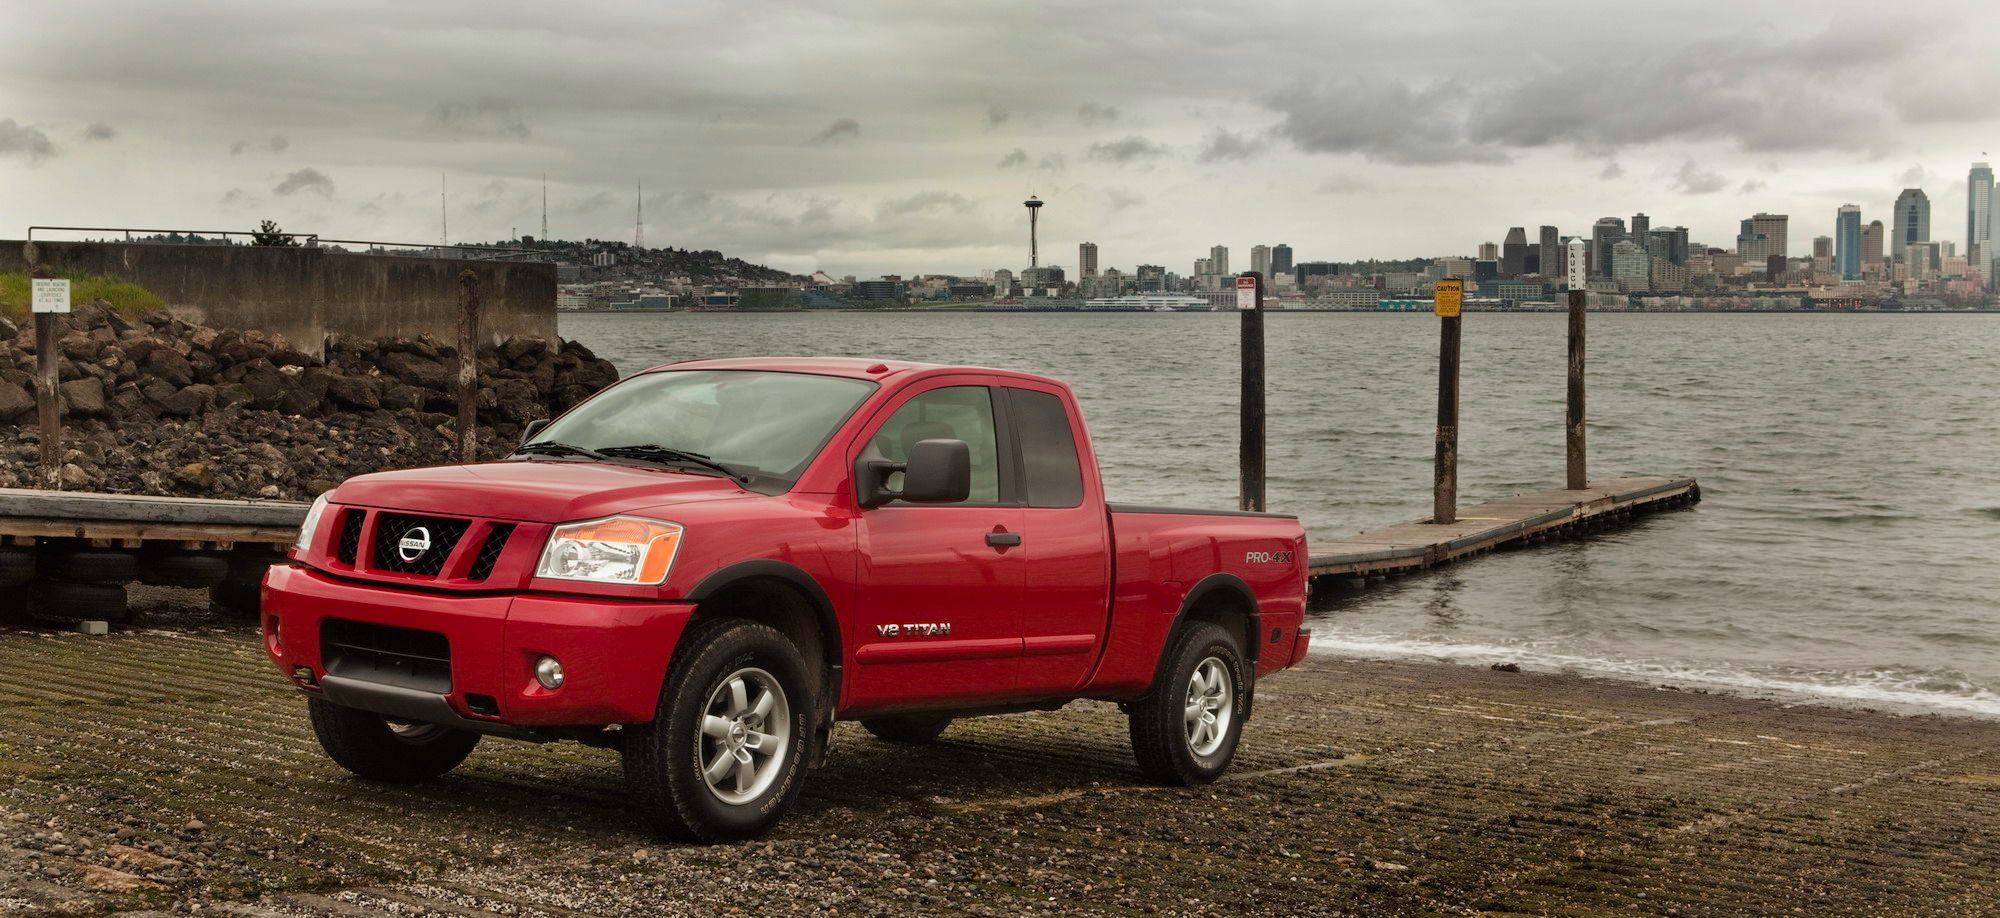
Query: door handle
[[1003, 539]]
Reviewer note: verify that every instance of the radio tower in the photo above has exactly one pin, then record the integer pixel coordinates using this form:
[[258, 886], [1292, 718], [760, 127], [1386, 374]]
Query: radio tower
[[1034, 206], [545, 207], [639, 235], [444, 216]]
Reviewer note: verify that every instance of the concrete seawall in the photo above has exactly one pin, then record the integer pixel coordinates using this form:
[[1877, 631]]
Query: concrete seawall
[[307, 294]]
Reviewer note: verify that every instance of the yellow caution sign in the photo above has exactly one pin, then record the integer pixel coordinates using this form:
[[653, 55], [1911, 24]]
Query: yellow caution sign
[[1449, 295]]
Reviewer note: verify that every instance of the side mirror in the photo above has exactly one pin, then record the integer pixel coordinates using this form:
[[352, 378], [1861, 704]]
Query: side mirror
[[533, 427], [939, 471]]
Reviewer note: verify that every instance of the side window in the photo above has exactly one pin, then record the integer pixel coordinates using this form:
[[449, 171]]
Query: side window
[[1048, 450], [954, 413]]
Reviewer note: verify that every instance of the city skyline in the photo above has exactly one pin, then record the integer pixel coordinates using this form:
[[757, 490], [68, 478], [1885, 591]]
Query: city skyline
[[880, 142]]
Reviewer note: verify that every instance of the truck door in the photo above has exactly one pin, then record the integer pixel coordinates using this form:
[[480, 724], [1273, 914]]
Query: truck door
[[1066, 541], [941, 584]]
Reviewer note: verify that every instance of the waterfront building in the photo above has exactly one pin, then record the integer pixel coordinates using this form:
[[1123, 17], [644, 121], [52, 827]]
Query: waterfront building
[[1871, 244], [1607, 232], [1281, 260], [1822, 249], [1923, 258], [1086, 260], [1641, 231], [1453, 266], [1670, 243], [1260, 262], [1631, 266], [1551, 252], [1847, 242], [1003, 282], [1151, 278], [1489, 251], [1218, 259], [1912, 221], [1762, 236], [1978, 211], [1149, 302], [1344, 298], [1307, 270], [1514, 253], [1485, 269]]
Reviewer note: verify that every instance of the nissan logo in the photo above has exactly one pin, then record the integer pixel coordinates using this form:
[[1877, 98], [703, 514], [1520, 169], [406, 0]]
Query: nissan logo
[[415, 542]]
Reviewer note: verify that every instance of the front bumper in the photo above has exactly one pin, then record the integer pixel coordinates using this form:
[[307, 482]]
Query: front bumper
[[614, 653]]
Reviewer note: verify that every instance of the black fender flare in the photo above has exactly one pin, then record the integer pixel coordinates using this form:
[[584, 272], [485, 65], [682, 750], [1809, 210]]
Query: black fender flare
[[1224, 582], [767, 569]]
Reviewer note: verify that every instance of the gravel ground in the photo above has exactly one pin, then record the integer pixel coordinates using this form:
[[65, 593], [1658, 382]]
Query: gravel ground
[[173, 770]]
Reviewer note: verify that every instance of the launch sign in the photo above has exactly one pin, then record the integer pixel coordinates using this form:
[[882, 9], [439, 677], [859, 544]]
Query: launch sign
[[1577, 257], [1448, 295], [1246, 293]]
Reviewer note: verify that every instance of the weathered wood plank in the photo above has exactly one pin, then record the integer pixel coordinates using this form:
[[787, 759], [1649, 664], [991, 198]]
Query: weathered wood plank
[[17, 503]]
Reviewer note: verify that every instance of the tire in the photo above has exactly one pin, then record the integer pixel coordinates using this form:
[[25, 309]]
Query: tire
[[183, 569], [368, 745], [665, 760], [1173, 748], [13, 607], [17, 566], [65, 603], [906, 728], [89, 566], [237, 599]]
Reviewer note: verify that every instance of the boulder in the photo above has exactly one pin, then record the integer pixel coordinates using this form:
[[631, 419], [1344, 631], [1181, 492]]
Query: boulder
[[167, 364], [16, 402], [416, 370], [189, 401], [355, 392], [84, 397]]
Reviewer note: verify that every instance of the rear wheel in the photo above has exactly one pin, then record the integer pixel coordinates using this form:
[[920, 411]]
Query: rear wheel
[[1185, 730], [906, 728], [381, 749], [725, 754]]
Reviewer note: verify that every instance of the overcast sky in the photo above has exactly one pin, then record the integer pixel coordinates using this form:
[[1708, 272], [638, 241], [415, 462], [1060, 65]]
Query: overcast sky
[[901, 137]]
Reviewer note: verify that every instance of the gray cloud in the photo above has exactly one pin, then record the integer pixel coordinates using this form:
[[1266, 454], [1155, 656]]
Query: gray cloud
[[485, 118], [1343, 184], [1224, 145], [25, 141], [1132, 149], [307, 179], [1117, 199], [1693, 179], [1014, 160], [275, 144], [840, 131], [923, 202], [1054, 162], [237, 197], [1093, 114], [997, 115], [1751, 186], [1611, 170], [1380, 120], [99, 131]]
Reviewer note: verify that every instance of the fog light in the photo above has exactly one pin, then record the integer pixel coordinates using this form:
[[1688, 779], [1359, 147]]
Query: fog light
[[549, 672]]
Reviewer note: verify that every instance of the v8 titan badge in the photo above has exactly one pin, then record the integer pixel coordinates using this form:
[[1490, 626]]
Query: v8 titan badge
[[1449, 295]]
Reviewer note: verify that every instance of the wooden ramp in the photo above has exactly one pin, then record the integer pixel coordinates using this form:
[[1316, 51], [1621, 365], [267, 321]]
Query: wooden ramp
[[1521, 519], [127, 519]]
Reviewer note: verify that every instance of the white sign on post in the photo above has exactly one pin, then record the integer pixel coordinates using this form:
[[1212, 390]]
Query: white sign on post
[[1577, 256], [51, 295], [1246, 293]]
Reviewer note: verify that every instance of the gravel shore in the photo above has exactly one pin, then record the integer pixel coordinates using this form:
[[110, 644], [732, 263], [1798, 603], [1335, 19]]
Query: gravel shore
[[173, 770]]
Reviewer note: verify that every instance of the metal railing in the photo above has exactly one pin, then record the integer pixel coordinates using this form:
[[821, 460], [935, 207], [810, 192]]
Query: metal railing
[[315, 240]]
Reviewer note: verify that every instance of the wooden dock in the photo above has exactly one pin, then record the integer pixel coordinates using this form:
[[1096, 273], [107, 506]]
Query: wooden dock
[[129, 519], [1519, 520]]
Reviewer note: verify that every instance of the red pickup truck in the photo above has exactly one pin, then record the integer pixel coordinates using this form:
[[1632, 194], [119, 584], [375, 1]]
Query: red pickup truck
[[707, 564]]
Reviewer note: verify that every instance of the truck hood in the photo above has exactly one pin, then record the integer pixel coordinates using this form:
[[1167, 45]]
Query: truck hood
[[537, 490]]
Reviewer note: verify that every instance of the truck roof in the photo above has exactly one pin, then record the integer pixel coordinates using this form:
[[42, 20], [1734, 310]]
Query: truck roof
[[851, 367]]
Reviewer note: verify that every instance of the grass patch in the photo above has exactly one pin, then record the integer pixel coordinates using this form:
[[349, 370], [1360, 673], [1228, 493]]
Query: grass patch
[[128, 298]]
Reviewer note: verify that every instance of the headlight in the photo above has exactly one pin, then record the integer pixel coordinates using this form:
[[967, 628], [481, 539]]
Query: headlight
[[311, 524], [620, 549]]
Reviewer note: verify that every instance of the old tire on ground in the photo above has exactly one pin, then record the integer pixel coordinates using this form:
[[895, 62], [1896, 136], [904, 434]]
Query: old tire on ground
[[65, 603], [375, 748], [17, 566], [238, 595], [89, 566], [906, 728], [1184, 731], [192, 569], [13, 607], [725, 754]]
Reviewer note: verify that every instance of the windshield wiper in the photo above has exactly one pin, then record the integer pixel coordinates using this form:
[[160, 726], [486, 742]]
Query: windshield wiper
[[557, 449], [669, 454]]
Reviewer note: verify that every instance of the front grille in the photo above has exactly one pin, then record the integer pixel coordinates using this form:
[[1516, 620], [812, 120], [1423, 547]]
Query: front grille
[[350, 536], [404, 657], [441, 534], [489, 551]]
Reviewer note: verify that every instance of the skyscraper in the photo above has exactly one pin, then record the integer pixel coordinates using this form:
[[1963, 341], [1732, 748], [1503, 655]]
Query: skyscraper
[[1260, 262], [1603, 235], [1086, 260], [1552, 252], [1670, 243], [1641, 231], [1978, 212], [1218, 259], [1763, 235], [1281, 259], [1847, 242], [1913, 221], [1871, 243], [1514, 253]]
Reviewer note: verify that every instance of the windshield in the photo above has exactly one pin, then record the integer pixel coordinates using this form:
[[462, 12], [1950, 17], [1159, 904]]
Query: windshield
[[764, 426]]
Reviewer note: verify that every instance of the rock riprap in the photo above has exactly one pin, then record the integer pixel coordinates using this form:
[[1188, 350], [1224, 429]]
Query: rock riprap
[[158, 405]]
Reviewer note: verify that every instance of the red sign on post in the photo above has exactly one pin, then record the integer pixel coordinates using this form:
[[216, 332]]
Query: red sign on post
[[1246, 293]]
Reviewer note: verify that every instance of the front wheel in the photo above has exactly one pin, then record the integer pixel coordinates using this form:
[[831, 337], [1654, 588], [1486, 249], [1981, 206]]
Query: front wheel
[[1184, 731], [381, 749], [725, 754]]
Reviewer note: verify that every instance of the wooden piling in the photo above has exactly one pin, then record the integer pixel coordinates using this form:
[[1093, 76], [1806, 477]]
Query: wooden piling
[[1577, 479], [1444, 503], [1252, 410], [468, 367], [47, 403]]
